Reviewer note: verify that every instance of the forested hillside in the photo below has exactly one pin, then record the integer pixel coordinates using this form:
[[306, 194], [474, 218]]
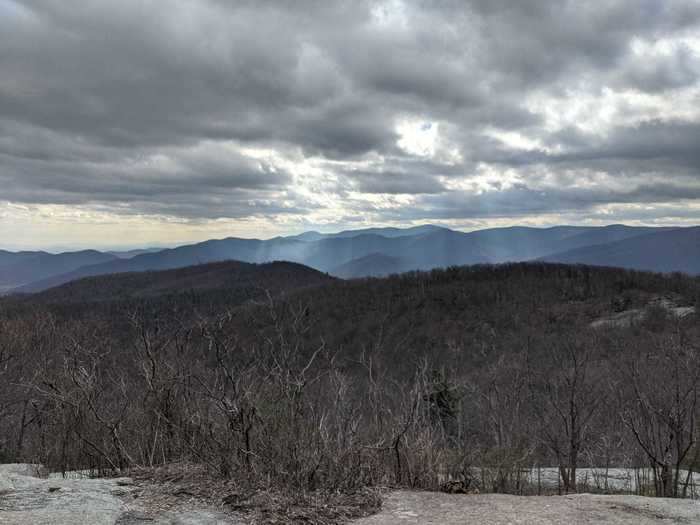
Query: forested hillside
[[238, 281], [402, 380]]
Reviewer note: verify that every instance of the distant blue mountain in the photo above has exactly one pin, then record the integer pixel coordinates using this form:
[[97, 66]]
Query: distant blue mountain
[[372, 265], [25, 267], [128, 254], [659, 251], [391, 232], [380, 251]]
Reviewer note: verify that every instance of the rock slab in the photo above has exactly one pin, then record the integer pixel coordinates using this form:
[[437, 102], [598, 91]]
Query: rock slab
[[426, 508], [29, 496]]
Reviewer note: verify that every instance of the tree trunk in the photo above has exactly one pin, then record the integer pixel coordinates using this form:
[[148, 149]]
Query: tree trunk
[[573, 463], [666, 481], [22, 427]]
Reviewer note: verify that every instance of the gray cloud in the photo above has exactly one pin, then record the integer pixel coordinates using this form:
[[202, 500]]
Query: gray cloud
[[388, 182], [521, 201], [210, 109]]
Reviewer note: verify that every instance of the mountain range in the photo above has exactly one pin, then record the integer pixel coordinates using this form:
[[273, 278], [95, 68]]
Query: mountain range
[[378, 252]]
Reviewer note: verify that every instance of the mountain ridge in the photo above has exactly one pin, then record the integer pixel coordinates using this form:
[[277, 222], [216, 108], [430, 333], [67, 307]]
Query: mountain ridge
[[239, 279], [351, 253], [668, 251]]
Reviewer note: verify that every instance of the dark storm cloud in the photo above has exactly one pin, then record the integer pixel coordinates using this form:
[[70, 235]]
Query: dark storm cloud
[[394, 182], [192, 183], [670, 143], [540, 42], [521, 200], [154, 107]]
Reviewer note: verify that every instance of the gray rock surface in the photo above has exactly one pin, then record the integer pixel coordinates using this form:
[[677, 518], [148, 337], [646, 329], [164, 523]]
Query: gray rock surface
[[27, 499], [425, 508]]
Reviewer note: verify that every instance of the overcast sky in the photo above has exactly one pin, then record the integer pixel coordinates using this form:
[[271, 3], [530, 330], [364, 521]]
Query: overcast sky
[[128, 122]]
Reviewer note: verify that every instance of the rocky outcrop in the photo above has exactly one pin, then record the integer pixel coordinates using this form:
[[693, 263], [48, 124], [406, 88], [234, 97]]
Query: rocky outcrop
[[424, 508], [29, 496]]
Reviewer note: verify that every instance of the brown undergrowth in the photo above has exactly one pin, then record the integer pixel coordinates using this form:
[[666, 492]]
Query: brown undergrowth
[[187, 485]]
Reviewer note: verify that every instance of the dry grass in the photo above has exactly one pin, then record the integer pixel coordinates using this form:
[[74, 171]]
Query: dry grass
[[190, 486]]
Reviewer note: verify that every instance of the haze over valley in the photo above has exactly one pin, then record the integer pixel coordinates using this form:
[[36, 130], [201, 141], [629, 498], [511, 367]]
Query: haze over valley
[[380, 252]]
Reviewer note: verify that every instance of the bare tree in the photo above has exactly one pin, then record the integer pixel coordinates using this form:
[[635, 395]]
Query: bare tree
[[501, 398], [566, 396], [661, 407]]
